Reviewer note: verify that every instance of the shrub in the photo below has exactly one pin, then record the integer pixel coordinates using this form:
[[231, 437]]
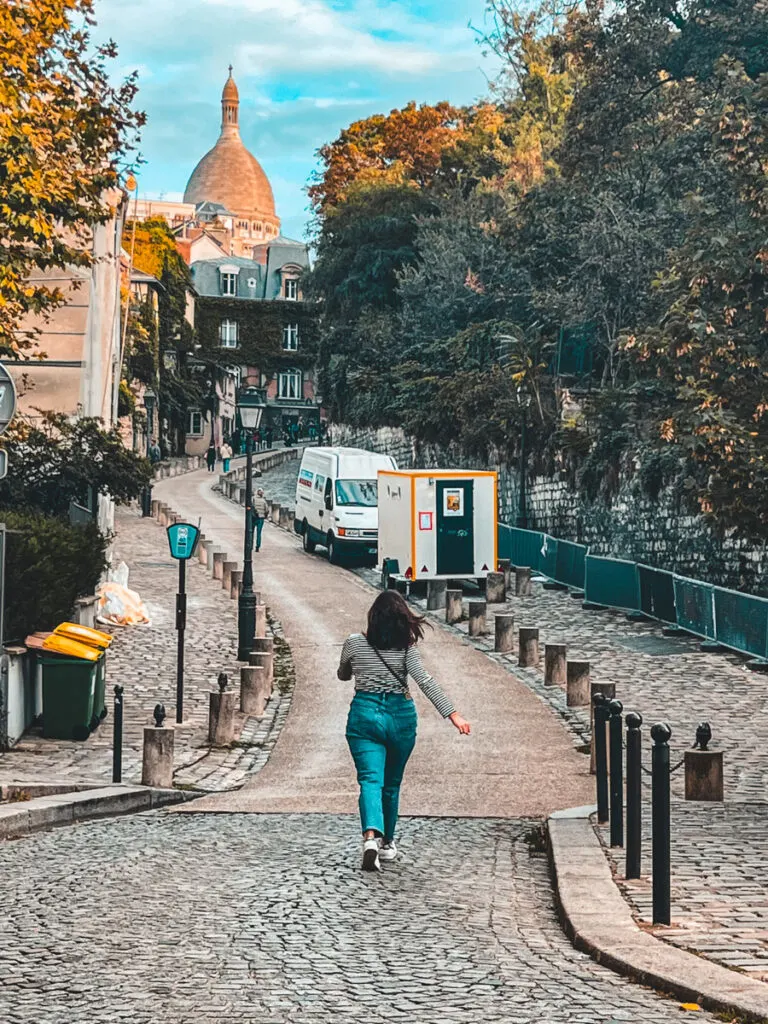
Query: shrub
[[48, 565]]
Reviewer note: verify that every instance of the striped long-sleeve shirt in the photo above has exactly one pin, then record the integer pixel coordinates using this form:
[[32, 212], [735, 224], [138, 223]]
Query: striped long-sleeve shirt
[[360, 659]]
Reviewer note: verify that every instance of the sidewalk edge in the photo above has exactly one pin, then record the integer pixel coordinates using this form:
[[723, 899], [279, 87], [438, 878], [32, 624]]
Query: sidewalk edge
[[598, 921]]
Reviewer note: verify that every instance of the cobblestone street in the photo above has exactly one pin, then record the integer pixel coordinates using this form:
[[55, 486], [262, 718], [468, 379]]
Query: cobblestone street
[[173, 919]]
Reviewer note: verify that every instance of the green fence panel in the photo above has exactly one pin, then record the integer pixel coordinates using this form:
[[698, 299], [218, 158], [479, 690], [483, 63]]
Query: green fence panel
[[657, 593], [741, 621], [505, 541], [612, 581], [548, 556], [695, 604], [525, 547], [570, 565]]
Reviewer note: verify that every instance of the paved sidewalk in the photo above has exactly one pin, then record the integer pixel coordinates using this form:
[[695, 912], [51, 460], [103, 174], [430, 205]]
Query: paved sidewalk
[[142, 659]]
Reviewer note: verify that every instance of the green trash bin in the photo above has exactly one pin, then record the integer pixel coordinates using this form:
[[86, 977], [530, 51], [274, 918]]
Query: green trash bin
[[69, 689]]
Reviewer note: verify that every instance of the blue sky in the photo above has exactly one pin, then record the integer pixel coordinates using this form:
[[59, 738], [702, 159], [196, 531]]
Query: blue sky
[[305, 69]]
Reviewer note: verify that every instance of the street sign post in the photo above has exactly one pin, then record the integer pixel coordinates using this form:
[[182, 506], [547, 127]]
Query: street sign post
[[182, 540], [7, 399], [3, 463]]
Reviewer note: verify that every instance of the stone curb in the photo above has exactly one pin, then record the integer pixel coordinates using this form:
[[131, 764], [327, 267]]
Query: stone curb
[[598, 921], [19, 819]]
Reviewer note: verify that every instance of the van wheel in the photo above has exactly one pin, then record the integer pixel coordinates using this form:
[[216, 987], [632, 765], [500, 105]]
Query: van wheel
[[309, 544], [333, 550]]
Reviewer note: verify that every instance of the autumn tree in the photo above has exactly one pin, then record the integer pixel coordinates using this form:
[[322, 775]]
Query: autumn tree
[[66, 135]]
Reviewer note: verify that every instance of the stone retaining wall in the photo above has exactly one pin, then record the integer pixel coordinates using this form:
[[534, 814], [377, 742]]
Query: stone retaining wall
[[232, 484]]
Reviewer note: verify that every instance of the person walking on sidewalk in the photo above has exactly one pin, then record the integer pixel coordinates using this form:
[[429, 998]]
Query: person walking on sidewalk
[[381, 726], [226, 454], [210, 458], [260, 512]]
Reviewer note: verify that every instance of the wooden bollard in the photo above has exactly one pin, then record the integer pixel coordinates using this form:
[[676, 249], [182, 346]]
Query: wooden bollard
[[495, 588], [261, 621], [265, 660], [477, 624], [555, 673], [219, 558], [577, 684], [157, 760], [523, 581], [221, 717], [436, 594], [528, 651], [284, 519], [204, 552], [504, 632], [704, 775], [454, 606], [505, 566], [227, 568], [254, 692], [235, 582], [609, 692]]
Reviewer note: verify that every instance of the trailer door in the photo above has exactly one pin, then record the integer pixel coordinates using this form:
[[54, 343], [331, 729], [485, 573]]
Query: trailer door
[[455, 528]]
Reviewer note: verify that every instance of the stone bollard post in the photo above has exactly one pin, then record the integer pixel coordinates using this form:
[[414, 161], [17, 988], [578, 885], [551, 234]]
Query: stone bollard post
[[495, 588], [235, 583], [528, 655], [227, 568], [254, 690], [204, 552], [265, 660], [261, 621], [578, 693], [609, 692], [504, 632], [155, 507], [505, 566], [221, 717], [157, 762], [523, 581], [162, 515], [275, 517], [704, 775], [436, 594], [554, 665], [284, 520], [477, 623], [219, 558], [454, 607]]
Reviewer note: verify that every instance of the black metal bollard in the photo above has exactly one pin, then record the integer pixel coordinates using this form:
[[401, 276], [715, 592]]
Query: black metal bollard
[[117, 737], [601, 755], [660, 734], [634, 794], [615, 708]]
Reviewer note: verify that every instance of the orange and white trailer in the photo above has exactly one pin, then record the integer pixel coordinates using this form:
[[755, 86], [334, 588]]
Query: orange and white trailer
[[439, 524]]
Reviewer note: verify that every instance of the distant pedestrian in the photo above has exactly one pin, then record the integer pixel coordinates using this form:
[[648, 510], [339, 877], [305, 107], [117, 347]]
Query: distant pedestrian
[[381, 726], [210, 458], [155, 455], [269, 436], [226, 455], [260, 513]]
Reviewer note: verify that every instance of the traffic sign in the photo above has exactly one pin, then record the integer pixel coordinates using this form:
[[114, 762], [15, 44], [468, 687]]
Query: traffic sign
[[7, 399], [3, 463]]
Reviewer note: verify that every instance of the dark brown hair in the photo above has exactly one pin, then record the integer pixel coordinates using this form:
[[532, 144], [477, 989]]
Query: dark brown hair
[[392, 626]]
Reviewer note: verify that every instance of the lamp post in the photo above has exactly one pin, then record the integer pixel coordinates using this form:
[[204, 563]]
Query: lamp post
[[523, 400], [149, 404], [250, 406]]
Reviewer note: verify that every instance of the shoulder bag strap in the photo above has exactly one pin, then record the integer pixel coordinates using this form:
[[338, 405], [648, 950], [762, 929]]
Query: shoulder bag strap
[[403, 682]]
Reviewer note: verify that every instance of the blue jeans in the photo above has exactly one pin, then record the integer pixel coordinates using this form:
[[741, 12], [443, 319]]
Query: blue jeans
[[259, 528], [381, 733]]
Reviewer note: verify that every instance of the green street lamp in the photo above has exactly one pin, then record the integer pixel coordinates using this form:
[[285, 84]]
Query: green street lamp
[[523, 401], [251, 404], [150, 399]]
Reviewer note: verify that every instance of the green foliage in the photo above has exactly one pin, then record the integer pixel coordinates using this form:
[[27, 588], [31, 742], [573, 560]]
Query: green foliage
[[48, 565], [260, 332]]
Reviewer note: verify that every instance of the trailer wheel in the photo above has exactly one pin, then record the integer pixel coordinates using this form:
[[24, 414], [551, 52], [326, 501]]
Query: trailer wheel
[[333, 550], [309, 544]]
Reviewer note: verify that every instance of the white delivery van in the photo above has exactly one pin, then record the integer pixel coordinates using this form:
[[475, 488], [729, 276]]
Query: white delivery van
[[439, 524], [337, 500]]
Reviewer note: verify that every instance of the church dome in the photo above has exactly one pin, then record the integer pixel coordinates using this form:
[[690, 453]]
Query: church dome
[[228, 173]]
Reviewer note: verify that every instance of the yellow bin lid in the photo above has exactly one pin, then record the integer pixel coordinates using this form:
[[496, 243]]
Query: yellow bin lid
[[84, 635], [57, 644]]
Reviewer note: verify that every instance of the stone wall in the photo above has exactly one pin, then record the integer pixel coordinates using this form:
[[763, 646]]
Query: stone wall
[[657, 533]]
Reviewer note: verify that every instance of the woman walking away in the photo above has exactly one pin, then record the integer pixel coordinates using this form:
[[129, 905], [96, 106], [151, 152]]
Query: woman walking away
[[210, 458], [381, 727], [226, 455]]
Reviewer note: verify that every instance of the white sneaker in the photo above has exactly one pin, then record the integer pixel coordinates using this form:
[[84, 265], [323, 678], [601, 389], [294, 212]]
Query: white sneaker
[[371, 855], [388, 851]]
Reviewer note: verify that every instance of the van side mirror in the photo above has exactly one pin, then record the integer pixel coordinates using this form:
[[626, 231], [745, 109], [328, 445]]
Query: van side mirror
[[329, 502]]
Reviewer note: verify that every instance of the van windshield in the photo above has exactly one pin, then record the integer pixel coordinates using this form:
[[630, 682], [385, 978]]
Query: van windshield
[[357, 492]]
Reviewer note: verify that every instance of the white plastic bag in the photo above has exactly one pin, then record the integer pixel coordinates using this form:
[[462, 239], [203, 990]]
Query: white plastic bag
[[119, 575], [119, 606]]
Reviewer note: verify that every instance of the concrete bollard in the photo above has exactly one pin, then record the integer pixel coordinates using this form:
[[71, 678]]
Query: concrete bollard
[[609, 692], [504, 632], [275, 516], [219, 558], [284, 520], [454, 606], [265, 660], [523, 581], [227, 568], [554, 665], [235, 583], [577, 684], [221, 717], [528, 652], [157, 761], [436, 594], [162, 515], [495, 589], [291, 517], [261, 621], [505, 566], [200, 542], [477, 612], [704, 775], [155, 508], [204, 552], [254, 690]]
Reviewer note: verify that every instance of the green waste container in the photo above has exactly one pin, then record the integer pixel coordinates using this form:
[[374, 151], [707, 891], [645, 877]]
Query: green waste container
[[69, 689]]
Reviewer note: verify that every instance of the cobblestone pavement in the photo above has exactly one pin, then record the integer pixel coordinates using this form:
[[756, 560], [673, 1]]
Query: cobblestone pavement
[[143, 660], [220, 918]]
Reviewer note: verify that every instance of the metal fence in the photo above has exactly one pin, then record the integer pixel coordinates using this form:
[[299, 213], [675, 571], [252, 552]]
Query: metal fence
[[733, 619]]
